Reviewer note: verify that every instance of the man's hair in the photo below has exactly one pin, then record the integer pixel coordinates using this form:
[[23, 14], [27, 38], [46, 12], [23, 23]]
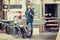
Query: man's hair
[[29, 4], [19, 12]]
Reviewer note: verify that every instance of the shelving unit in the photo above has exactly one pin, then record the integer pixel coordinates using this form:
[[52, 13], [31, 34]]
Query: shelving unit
[[52, 25], [52, 20]]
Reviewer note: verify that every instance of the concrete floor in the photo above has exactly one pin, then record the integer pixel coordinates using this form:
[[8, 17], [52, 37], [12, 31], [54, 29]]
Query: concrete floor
[[36, 36]]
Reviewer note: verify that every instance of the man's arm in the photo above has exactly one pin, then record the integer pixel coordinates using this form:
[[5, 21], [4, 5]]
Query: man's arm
[[32, 13]]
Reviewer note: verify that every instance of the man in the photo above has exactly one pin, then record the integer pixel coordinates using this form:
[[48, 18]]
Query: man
[[29, 18]]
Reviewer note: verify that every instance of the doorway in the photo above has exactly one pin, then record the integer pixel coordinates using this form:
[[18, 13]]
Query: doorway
[[52, 15], [51, 9]]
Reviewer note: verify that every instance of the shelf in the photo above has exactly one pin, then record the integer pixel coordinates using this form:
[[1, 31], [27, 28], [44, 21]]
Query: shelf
[[52, 28], [52, 21], [50, 17], [52, 25]]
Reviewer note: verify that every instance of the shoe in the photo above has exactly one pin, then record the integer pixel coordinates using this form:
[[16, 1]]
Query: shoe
[[23, 36], [29, 36]]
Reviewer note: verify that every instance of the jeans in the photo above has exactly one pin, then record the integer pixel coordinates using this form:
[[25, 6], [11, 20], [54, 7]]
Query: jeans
[[31, 27]]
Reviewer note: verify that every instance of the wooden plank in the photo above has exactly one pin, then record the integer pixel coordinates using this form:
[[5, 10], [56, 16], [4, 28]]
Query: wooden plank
[[52, 21], [52, 25], [52, 28]]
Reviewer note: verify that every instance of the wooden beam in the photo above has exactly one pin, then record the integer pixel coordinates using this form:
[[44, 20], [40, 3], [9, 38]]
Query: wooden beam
[[52, 24], [8, 4]]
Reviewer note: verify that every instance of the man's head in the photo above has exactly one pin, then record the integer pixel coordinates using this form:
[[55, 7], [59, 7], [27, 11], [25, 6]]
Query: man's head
[[29, 6], [19, 13]]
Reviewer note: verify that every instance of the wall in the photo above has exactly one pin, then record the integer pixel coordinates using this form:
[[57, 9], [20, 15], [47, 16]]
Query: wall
[[18, 2], [36, 4], [52, 1], [15, 2], [59, 11]]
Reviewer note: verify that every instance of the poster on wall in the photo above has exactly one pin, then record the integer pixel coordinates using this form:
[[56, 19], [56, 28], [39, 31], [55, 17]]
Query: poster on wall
[[36, 10]]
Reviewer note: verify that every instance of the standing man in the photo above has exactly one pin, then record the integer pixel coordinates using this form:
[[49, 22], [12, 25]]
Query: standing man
[[29, 18]]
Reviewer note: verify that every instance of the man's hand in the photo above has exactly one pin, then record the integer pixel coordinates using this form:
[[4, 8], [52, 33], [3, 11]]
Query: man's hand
[[31, 15]]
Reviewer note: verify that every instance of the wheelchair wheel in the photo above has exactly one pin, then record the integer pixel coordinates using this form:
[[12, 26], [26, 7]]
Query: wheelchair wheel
[[28, 32], [16, 33], [8, 30]]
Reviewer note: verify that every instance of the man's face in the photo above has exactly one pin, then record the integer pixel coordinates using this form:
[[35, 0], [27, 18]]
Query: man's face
[[29, 6], [19, 14]]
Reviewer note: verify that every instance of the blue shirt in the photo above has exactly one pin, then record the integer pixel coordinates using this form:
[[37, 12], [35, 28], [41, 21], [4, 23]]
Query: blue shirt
[[29, 18]]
